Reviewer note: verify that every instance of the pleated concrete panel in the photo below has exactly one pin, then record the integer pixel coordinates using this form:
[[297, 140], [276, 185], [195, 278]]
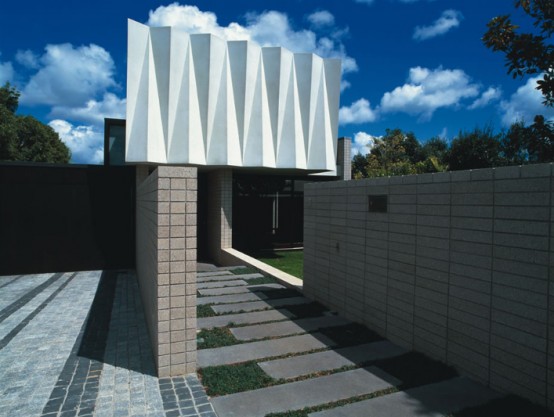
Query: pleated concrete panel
[[197, 99], [137, 89]]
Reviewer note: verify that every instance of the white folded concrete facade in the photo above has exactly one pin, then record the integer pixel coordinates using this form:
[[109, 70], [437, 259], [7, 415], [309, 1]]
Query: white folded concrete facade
[[200, 100]]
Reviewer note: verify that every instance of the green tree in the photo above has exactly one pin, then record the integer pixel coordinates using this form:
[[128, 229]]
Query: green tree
[[479, 148], [359, 166], [527, 53], [24, 138]]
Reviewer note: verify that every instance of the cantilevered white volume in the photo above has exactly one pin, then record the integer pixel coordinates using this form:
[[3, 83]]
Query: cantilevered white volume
[[200, 100]]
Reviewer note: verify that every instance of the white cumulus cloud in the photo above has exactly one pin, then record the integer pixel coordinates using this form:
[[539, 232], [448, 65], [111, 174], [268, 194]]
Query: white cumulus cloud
[[358, 112], [6, 72], [93, 111], [27, 58], [490, 95], [525, 104], [449, 19], [428, 90], [321, 18], [85, 142], [270, 28], [69, 76], [362, 143]]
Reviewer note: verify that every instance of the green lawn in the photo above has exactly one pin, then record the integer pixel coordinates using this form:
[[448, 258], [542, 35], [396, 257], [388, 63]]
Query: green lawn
[[291, 262]]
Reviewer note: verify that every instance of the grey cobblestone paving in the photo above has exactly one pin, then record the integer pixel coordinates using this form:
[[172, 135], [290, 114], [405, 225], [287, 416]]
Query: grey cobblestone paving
[[67, 353]]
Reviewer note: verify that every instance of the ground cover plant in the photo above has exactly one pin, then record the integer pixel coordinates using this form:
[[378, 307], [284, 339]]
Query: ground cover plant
[[217, 337], [228, 379]]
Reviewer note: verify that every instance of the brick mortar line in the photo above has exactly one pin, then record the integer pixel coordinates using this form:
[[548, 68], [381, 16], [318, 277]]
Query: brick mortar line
[[16, 305]]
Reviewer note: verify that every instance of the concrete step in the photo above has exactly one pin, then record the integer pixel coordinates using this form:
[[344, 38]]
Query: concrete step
[[308, 393], [214, 273], [259, 305], [242, 318], [260, 350], [433, 400], [330, 359], [225, 277], [287, 327]]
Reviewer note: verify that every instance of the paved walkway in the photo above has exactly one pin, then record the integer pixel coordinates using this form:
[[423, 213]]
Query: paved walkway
[[76, 344], [319, 362]]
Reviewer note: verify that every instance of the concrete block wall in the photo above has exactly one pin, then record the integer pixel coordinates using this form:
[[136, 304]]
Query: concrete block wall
[[166, 264], [459, 268]]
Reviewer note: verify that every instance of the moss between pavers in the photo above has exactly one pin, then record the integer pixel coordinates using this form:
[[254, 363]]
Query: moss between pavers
[[216, 337], [261, 280], [510, 406], [306, 411], [204, 310], [230, 379]]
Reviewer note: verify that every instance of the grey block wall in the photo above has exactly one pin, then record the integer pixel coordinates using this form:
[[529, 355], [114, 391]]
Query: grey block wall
[[166, 264], [459, 268]]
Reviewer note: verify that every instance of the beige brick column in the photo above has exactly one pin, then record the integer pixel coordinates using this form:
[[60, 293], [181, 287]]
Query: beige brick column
[[166, 264]]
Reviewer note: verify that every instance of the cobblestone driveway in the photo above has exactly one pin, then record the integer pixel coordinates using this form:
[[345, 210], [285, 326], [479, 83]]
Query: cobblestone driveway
[[76, 344]]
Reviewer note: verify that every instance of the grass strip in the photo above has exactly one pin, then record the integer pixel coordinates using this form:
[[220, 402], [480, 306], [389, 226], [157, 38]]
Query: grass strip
[[291, 262], [509, 406], [415, 369], [216, 337], [230, 379], [308, 410]]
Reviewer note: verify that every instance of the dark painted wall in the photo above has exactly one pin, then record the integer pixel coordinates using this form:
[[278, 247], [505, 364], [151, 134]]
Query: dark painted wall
[[66, 218]]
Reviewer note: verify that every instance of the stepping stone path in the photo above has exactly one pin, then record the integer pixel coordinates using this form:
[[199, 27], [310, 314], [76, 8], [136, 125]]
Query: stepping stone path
[[294, 347], [302, 394], [433, 400], [329, 359], [259, 350], [285, 328], [243, 318], [258, 305], [239, 290], [218, 284]]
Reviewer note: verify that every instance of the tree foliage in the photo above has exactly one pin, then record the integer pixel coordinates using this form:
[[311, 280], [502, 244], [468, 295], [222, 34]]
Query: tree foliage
[[24, 138], [527, 53], [397, 153]]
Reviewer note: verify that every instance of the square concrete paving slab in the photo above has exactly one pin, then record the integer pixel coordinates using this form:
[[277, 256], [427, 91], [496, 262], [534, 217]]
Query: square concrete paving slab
[[231, 298], [308, 393], [260, 350], [249, 276], [287, 327], [218, 278], [240, 290], [433, 400], [329, 359], [259, 305], [242, 318], [219, 284]]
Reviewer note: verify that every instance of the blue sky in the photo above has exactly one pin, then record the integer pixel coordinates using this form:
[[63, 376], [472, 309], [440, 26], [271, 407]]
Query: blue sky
[[418, 65]]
